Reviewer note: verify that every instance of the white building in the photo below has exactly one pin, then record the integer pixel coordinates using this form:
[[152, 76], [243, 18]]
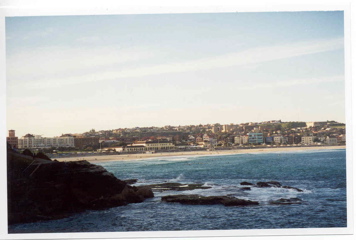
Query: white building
[[37, 141], [244, 139], [228, 128], [341, 138], [315, 124], [279, 139], [238, 140], [331, 141], [150, 146], [307, 140], [206, 138]]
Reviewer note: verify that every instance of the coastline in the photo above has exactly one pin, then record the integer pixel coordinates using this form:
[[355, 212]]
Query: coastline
[[139, 156]]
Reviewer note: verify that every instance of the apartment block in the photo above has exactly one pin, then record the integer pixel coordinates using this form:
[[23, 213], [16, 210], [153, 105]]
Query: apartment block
[[12, 139], [255, 138], [307, 140]]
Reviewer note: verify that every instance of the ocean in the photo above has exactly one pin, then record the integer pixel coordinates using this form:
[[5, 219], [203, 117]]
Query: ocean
[[321, 174]]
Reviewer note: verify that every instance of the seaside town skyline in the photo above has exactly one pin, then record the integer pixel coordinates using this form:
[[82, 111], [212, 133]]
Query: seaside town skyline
[[190, 137], [74, 73], [208, 126]]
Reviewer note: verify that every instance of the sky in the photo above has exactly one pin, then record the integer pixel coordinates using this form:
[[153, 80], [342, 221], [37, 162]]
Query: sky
[[69, 74]]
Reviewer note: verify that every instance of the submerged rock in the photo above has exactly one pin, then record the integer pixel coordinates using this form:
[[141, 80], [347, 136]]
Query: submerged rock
[[275, 184], [246, 183], [176, 186], [262, 184], [210, 200], [285, 201]]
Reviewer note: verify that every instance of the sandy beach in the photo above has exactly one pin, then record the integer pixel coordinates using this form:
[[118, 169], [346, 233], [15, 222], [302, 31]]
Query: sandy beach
[[106, 158]]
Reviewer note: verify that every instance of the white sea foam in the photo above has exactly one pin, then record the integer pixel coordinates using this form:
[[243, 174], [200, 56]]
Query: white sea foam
[[178, 178], [208, 184]]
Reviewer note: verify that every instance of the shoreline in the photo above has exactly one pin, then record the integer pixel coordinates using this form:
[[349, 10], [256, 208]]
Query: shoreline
[[140, 156]]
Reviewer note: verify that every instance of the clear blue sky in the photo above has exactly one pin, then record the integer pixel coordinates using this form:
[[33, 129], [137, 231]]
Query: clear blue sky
[[68, 74]]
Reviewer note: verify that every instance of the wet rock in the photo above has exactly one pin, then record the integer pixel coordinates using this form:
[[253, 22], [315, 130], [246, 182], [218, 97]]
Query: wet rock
[[262, 184], [285, 201], [245, 189], [238, 202], [145, 191], [130, 181], [210, 200], [294, 188], [176, 186], [246, 183], [274, 184]]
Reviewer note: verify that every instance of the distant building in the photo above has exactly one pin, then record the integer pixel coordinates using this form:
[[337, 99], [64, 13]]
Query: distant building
[[191, 138], [12, 139], [137, 148], [248, 128], [244, 139], [315, 124], [255, 138], [268, 140], [331, 140], [279, 139], [238, 140], [26, 141], [216, 129], [341, 138], [228, 128], [206, 138], [152, 145], [294, 139], [82, 142], [37, 141], [307, 140]]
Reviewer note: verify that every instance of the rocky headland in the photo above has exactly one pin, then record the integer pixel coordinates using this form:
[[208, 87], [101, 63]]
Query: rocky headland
[[42, 189]]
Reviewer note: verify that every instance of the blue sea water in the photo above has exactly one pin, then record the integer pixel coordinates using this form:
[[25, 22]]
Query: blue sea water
[[321, 174]]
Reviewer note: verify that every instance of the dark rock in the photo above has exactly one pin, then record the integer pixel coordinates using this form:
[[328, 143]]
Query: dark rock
[[176, 186], [210, 200], [246, 183], [263, 184], [130, 181], [27, 152], [42, 156], [274, 184], [297, 189], [238, 202], [245, 188], [52, 189], [284, 201], [145, 191]]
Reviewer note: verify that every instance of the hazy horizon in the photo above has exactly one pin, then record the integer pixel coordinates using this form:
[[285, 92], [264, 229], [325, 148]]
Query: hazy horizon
[[69, 74]]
